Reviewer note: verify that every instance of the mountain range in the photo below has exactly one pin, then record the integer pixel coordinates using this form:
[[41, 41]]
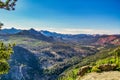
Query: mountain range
[[44, 55], [94, 39], [10, 31]]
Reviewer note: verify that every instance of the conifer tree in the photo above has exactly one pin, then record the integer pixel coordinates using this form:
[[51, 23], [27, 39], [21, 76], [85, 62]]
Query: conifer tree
[[5, 49], [8, 4], [5, 53]]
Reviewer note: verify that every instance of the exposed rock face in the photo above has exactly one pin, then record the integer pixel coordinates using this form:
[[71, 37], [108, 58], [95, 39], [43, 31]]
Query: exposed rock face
[[107, 67], [104, 67], [84, 69]]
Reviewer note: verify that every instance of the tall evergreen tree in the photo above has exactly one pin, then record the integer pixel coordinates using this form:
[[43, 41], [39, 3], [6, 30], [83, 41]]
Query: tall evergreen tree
[[5, 53]]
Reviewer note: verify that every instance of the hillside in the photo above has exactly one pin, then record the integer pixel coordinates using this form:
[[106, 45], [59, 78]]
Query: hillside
[[101, 57], [38, 56], [50, 57]]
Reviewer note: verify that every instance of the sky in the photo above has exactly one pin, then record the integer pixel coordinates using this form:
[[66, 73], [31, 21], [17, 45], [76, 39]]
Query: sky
[[65, 16]]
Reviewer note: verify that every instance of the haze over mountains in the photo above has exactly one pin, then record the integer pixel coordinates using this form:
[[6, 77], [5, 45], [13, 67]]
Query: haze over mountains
[[44, 55], [44, 35], [45, 32]]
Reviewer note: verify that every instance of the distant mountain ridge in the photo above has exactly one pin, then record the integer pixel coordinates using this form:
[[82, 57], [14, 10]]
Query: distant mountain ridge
[[58, 35], [45, 35], [35, 34], [10, 31], [88, 39]]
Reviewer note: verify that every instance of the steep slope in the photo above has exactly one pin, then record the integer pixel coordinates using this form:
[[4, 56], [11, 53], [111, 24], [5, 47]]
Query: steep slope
[[72, 72], [52, 56], [22, 63]]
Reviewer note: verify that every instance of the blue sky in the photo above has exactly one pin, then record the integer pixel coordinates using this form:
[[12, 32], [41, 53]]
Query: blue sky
[[65, 16]]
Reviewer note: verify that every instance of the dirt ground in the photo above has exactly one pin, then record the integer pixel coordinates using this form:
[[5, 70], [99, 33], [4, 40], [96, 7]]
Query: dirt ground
[[111, 75]]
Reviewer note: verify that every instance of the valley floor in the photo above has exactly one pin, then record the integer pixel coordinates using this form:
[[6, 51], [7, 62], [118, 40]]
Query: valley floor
[[112, 75]]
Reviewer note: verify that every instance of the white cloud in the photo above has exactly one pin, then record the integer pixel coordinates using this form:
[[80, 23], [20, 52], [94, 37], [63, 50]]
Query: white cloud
[[81, 31], [39, 25]]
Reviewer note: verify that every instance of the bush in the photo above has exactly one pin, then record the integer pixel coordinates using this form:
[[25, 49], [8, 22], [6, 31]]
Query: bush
[[95, 69]]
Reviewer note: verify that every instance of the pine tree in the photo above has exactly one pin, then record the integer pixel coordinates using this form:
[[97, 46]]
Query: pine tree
[[8, 4], [5, 50], [5, 53]]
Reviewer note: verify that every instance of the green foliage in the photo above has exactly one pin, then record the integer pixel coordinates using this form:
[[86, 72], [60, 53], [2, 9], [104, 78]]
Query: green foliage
[[57, 69], [95, 69], [117, 54], [102, 57], [5, 50], [72, 75], [7, 4], [110, 60], [24, 40], [4, 67], [5, 53]]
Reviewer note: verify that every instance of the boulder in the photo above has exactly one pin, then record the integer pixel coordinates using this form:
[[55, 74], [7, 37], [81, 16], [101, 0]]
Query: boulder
[[107, 67], [84, 70]]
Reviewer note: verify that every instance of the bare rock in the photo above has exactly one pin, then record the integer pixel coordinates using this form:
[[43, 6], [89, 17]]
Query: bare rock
[[107, 67], [83, 70]]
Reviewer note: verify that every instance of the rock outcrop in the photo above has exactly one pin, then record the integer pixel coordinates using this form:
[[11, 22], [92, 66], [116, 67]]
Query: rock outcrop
[[84, 70], [107, 67]]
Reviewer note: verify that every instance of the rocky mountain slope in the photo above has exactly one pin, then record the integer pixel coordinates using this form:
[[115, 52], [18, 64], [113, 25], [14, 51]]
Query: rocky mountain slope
[[24, 65], [41, 57], [104, 56]]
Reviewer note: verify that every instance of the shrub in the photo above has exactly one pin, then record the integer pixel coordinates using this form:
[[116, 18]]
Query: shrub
[[95, 69]]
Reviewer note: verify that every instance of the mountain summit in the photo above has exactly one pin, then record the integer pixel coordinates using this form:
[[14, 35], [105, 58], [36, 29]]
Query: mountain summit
[[10, 31]]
